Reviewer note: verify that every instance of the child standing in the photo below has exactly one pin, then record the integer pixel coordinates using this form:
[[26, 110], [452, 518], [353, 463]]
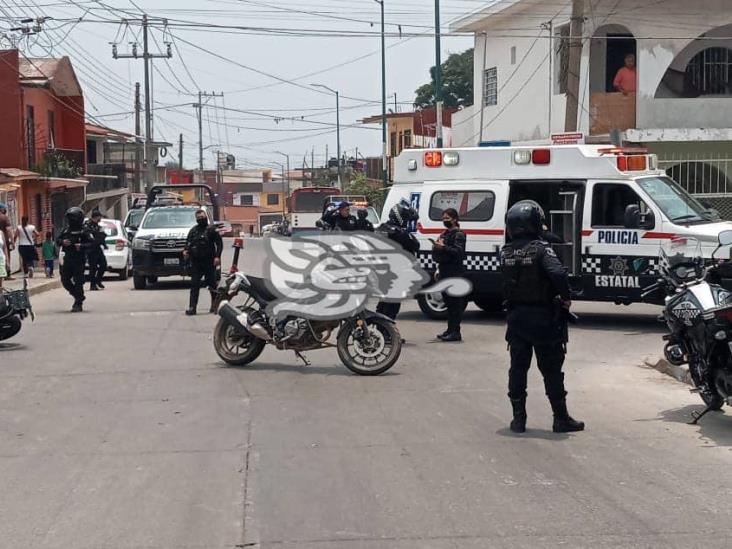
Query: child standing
[[49, 254]]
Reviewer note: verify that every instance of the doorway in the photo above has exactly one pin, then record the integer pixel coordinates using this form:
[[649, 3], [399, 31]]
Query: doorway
[[562, 202], [618, 46]]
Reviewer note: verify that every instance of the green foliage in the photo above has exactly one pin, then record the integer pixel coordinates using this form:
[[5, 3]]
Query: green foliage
[[359, 187], [55, 164], [457, 83]]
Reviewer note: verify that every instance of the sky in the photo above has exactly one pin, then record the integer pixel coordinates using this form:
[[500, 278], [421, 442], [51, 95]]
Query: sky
[[265, 67]]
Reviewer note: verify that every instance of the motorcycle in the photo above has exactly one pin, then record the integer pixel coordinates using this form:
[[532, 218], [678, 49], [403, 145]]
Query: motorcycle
[[368, 343], [15, 307], [698, 313]]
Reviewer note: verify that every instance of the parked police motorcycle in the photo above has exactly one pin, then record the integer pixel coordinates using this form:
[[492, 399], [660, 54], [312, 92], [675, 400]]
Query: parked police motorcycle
[[15, 307], [698, 313], [368, 343]]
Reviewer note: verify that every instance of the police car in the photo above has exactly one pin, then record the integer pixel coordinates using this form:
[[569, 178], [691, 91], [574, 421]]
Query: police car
[[611, 207]]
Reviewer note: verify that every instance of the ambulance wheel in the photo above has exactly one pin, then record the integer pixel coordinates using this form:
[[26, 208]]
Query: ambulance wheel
[[433, 306], [489, 304]]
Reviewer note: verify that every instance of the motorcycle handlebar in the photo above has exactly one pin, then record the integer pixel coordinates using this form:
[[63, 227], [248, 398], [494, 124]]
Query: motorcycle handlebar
[[651, 289]]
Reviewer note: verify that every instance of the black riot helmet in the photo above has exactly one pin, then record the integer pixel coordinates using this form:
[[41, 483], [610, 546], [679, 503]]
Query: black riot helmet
[[403, 213], [362, 214], [525, 219], [75, 218]]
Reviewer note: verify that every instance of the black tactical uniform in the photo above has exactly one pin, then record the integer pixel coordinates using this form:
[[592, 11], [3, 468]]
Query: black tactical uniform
[[333, 220], [203, 245], [536, 287], [396, 229], [362, 223], [450, 265], [72, 270], [96, 258]]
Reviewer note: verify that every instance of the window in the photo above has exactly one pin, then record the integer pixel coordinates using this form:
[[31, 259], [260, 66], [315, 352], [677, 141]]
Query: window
[[490, 87], [561, 59], [273, 199], [609, 201], [710, 72], [675, 202], [407, 139], [51, 129], [169, 219], [246, 200], [513, 55], [91, 151], [471, 205], [30, 131]]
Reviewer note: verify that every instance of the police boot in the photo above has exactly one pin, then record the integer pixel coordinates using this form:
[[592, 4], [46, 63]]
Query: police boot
[[563, 422], [191, 311], [518, 424], [77, 307], [214, 300]]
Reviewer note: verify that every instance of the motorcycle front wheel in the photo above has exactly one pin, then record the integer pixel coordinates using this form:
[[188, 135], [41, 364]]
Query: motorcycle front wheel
[[9, 327], [371, 349], [234, 347]]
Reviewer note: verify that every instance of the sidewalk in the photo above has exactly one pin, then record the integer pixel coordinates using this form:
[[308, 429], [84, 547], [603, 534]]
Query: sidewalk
[[36, 285]]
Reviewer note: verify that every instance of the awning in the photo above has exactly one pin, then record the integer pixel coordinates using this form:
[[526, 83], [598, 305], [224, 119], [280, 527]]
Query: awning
[[8, 187], [58, 183]]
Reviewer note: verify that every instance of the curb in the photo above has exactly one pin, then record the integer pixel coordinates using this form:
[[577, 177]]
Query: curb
[[42, 288], [679, 373]]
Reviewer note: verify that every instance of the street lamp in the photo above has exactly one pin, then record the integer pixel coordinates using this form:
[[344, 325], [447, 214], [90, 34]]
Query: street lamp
[[338, 127], [285, 193], [383, 96]]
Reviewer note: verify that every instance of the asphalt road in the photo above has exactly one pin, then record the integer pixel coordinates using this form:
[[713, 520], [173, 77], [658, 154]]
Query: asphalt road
[[121, 429]]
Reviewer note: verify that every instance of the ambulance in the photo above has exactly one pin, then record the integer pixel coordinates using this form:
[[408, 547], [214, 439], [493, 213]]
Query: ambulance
[[611, 208]]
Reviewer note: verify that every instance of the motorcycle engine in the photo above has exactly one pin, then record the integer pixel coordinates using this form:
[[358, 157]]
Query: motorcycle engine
[[295, 330]]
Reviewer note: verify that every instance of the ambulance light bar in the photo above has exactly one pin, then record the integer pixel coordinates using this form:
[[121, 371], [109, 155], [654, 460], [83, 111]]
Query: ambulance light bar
[[539, 157], [435, 159]]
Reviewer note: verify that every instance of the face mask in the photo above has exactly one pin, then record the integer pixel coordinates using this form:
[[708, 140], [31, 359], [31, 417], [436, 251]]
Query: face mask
[[447, 224], [202, 222]]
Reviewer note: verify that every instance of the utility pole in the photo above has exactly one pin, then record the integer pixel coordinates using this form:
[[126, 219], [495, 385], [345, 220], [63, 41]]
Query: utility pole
[[146, 56], [199, 107], [338, 126], [312, 167], [384, 150], [180, 153], [138, 142], [438, 75], [286, 192], [576, 30]]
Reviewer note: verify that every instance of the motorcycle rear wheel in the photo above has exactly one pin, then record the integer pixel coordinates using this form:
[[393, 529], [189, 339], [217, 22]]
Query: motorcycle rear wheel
[[9, 327], [236, 348], [374, 354], [707, 392]]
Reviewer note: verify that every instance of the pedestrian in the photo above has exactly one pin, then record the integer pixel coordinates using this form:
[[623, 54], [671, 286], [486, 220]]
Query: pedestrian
[[363, 223], [75, 241], [26, 237], [7, 232], [449, 253], [3, 270], [537, 295], [50, 254], [97, 260], [396, 229], [626, 79], [203, 249]]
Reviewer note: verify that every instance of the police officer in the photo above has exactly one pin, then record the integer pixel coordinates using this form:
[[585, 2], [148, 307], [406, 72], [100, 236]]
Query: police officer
[[538, 301], [449, 253], [363, 223], [75, 241], [203, 249], [96, 258], [396, 229], [339, 218]]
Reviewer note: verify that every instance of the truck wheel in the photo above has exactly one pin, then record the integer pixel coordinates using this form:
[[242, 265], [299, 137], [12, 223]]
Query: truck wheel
[[123, 274], [139, 281], [489, 304], [433, 306]]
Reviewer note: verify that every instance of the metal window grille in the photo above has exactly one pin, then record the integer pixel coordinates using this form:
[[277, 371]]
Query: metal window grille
[[710, 72], [490, 87]]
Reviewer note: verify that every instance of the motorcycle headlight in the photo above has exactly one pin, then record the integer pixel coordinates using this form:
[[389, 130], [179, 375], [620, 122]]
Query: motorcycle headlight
[[141, 244]]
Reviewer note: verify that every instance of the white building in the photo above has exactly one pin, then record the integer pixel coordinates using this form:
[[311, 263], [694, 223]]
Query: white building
[[683, 106]]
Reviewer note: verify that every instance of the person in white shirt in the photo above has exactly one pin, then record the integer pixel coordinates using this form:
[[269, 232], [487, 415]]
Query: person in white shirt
[[26, 237], [3, 271]]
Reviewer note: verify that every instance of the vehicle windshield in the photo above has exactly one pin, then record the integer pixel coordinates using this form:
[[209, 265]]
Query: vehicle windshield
[[169, 219], [678, 205], [109, 228], [134, 218], [309, 201], [680, 251]]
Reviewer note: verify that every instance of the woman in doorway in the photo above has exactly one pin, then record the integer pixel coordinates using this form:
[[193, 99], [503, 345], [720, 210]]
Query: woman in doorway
[[26, 237]]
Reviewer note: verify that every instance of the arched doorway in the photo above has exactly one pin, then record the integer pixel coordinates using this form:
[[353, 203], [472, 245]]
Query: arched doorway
[[608, 49]]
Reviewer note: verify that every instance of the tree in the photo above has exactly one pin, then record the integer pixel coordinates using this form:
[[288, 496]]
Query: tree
[[359, 186], [171, 164], [457, 83]]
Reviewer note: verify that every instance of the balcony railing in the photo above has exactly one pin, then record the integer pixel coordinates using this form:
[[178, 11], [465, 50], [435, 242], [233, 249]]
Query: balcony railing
[[106, 178], [62, 163], [611, 111]]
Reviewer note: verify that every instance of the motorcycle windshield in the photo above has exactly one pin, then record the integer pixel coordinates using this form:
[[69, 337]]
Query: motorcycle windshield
[[681, 251]]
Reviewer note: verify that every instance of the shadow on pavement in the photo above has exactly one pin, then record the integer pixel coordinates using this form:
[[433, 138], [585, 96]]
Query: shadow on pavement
[[541, 434], [11, 347], [301, 369], [715, 426]]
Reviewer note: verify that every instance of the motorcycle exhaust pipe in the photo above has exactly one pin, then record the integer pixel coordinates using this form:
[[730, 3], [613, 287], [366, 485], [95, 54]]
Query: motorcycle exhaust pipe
[[240, 320]]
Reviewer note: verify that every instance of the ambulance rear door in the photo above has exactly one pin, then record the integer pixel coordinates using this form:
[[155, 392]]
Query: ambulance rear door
[[481, 206]]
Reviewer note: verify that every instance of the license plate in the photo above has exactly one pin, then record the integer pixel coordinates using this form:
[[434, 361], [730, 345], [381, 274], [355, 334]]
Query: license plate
[[171, 261]]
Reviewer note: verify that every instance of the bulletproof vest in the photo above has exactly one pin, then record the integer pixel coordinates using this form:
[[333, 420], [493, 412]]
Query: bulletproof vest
[[200, 244], [524, 280]]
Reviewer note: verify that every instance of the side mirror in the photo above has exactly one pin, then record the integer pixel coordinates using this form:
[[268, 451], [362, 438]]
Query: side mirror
[[634, 219], [725, 238]]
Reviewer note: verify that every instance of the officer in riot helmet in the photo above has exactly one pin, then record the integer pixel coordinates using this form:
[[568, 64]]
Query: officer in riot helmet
[[537, 295], [396, 228], [97, 260], [337, 217], [203, 250], [362, 221], [76, 241]]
